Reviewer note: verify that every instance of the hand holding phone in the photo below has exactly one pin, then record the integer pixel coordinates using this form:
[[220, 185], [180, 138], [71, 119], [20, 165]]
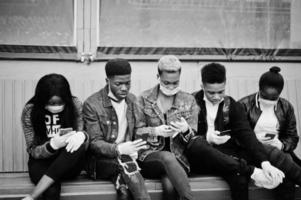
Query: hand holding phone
[[269, 136]]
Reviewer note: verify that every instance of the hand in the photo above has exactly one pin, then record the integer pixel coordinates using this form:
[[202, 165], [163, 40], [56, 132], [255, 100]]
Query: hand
[[272, 173], [164, 131], [75, 141], [131, 147], [215, 138], [276, 143], [260, 179], [58, 141], [180, 126], [134, 156]]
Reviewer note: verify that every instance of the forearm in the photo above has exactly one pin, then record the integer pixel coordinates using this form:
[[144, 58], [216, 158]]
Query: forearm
[[41, 151], [289, 143], [103, 148], [150, 131]]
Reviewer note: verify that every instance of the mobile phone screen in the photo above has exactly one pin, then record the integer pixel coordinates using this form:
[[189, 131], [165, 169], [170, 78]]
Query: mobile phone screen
[[226, 132], [270, 136], [64, 131]]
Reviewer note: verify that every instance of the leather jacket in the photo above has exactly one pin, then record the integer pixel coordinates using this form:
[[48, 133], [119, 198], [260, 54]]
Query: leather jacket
[[284, 112]]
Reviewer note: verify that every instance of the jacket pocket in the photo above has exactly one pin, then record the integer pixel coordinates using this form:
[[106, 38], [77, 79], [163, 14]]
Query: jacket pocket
[[152, 119]]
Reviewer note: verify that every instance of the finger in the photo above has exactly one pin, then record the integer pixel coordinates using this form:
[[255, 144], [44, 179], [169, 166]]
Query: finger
[[183, 119], [73, 149], [174, 124], [76, 148], [217, 133], [68, 147], [173, 128], [281, 175], [137, 141], [269, 176], [140, 144], [68, 140], [141, 147], [68, 134]]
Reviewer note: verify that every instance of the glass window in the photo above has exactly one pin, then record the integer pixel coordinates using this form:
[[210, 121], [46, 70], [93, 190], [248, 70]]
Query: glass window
[[265, 28], [37, 22]]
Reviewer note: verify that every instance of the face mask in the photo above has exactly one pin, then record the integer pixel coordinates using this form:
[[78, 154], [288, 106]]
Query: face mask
[[55, 109], [267, 103], [169, 92]]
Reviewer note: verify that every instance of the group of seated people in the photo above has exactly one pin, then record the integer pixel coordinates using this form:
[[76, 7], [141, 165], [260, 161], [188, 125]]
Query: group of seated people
[[165, 134]]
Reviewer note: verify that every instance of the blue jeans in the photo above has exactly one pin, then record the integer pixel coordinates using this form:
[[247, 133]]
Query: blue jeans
[[109, 168], [163, 164]]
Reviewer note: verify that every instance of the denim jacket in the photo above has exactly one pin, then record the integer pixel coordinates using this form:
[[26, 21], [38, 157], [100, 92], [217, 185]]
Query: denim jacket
[[284, 112], [184, 106], [101, 123]]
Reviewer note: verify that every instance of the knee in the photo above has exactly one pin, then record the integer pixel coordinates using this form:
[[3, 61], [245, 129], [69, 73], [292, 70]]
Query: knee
[[285, 191], [167, 157], [239, 181], [286, 186], [80, 152], [167, 185], [200, 147]]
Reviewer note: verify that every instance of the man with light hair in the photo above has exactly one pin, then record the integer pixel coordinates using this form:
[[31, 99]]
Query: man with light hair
[[170, 120]]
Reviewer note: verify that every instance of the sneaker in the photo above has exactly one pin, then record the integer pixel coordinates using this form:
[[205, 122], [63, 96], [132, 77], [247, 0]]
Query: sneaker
[[123, 193], [121, 188], [261, 180]]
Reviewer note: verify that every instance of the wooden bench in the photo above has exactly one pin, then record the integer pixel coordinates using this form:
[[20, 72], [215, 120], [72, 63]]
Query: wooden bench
[[16, 185]]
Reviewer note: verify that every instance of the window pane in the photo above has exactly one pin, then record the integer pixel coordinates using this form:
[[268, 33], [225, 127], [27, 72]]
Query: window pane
[[37, 22], [264, 24]]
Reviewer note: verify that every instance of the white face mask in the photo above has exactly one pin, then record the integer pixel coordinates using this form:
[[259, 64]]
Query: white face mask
[[267, 103], [55, 109], [169, 92]]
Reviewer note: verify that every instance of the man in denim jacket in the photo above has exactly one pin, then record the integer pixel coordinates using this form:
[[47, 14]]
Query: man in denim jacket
[[110, 118], [170, 117]]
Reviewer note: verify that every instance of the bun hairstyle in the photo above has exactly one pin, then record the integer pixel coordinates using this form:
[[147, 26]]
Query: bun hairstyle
[[275, 69], [272, 79]]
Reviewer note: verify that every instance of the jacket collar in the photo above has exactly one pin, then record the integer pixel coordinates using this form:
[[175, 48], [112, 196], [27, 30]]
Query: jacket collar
[[105, 98]]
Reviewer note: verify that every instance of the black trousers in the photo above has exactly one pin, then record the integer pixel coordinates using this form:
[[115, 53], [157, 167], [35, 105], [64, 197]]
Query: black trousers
[[62, 166], [236, 166]]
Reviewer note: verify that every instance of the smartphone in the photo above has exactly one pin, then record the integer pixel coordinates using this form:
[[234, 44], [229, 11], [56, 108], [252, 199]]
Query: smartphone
[[64, 131], [269, 136], [225, 132]]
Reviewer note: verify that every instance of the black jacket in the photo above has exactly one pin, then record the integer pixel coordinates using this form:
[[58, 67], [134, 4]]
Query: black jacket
[[231, 115], [285, 114]]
